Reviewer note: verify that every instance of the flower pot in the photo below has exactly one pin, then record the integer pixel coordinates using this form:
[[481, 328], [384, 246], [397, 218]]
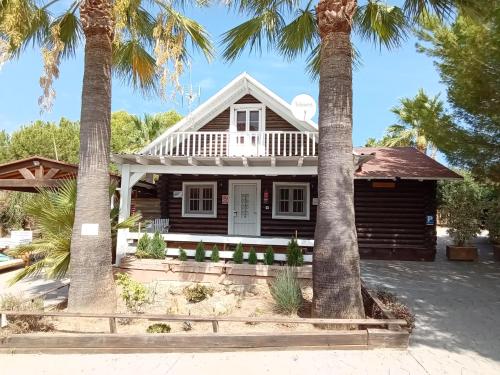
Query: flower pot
[[461, 252], [192, 266]]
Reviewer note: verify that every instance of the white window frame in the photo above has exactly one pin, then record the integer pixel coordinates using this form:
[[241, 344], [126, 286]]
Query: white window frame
[[247, 107], [307, 200], [185, 198]]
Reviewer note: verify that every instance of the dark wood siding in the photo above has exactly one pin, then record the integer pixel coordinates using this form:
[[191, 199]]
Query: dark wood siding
[[274, 122], [391, 222]]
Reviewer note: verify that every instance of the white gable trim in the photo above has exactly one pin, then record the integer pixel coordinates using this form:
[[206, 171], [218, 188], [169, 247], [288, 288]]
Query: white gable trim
[[242, 85]]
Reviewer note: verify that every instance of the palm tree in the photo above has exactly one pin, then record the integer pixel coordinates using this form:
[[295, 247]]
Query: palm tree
[[145, 45], [53, 211], [153, 126], [325, 34], [416, 116]]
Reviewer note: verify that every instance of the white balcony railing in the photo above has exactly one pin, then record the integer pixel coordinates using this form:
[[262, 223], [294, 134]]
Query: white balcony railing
[[220, 144]]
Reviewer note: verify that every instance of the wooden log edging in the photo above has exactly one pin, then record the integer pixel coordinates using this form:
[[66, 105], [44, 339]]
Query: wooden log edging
[[368, 338]]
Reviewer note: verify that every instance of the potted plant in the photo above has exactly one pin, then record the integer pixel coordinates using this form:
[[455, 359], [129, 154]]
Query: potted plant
[[493, 226], [462, 209]]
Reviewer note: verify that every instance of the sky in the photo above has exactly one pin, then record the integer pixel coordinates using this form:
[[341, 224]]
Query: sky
[[383, 78]]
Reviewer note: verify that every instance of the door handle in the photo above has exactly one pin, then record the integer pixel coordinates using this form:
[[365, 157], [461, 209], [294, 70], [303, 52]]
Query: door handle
[[235, 213]]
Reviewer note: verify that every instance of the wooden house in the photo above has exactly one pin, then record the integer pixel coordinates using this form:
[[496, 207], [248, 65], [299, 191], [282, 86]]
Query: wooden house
[[242, 168]]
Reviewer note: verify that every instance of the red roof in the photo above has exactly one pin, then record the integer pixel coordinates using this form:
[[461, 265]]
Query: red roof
[[402, 162]]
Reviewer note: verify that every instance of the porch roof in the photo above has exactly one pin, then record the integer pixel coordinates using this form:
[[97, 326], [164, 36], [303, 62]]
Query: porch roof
[[371, 163]]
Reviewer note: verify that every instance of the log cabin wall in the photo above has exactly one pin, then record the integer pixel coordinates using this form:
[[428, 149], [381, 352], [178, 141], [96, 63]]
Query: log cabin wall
[[390, 220]]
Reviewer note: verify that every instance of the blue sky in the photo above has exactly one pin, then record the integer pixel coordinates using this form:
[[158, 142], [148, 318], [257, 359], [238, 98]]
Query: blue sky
[[382, 79]]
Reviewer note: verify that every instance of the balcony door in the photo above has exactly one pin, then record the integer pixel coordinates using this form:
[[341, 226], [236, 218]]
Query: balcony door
[[247, 124]]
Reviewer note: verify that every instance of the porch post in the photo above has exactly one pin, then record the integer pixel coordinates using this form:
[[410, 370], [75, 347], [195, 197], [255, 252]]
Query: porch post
[[125, 197]]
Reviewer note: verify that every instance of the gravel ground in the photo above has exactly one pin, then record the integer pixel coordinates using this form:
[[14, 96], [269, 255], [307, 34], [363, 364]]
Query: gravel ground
[[457, 332]]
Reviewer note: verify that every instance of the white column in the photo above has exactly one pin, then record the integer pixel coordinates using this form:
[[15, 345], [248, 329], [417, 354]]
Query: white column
[[125, 198]]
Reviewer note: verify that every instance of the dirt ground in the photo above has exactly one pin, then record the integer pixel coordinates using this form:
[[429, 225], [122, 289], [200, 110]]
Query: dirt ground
[[168, 297]]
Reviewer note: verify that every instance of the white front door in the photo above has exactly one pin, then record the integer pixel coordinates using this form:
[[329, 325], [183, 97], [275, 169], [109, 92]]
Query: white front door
[[244, 207]]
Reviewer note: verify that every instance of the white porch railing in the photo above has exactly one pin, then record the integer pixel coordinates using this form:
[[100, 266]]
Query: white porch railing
[[221, 144]]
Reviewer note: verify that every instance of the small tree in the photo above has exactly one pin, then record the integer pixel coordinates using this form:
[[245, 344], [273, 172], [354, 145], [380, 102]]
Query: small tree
[[252, 256], [199, 255], [462, 209], [182, 254], [238, 254], [294, 255], [269, 256], [214, 257], [157, 247], [143, 246]]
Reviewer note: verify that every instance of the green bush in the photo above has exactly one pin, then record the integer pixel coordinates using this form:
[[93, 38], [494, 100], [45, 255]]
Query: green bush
[[462, 209], [493, 220], [252, 256], [200, 254], [197, 293], [269, 256], [285, 290], [152, 248], [215, 257], [182, 254], [158, 328], [143, 244], [134, 294], [294, 256], [157, 246], [238, 254]]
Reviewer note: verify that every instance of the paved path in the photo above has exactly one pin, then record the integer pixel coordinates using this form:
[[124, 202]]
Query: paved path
[[458, 332]]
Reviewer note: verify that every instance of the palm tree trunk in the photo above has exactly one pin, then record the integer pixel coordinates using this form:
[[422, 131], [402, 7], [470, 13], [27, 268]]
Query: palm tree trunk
[[336, 272], [92, 286]]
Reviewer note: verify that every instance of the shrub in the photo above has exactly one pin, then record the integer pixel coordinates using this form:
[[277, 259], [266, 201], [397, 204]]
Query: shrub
[[133, 293], [294, 254], [398, 308], [462, 209], [158, 328], [199, 255], [238, 254], [269, 256], [197, 293], [215, 254], [285, 290], [157, 246], [153, 248], [182, 254], [22, 323], [493, 220], [252, 256]]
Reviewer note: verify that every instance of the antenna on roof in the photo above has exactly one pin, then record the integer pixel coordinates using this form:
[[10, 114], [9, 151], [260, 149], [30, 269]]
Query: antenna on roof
[[191, 95]]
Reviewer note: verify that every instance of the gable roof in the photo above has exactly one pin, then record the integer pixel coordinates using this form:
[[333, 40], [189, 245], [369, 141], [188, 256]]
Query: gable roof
[[242, 85], [402, 162]]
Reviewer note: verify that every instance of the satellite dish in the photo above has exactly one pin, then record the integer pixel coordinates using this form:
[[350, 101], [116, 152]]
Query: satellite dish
[[303, 107]]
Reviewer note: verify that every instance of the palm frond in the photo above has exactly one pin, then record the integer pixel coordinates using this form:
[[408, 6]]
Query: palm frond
[[300, 35], [382, 24], [200, 39], [70, 32], [441, 8], [251, 34], [135, 66]]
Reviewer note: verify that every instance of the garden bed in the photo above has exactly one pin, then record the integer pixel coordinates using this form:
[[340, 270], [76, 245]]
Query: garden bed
[[229, 317]]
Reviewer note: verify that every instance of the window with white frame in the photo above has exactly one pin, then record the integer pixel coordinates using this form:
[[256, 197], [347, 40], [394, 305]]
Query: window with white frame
[[291, 200], [199, 199], [247, 118]]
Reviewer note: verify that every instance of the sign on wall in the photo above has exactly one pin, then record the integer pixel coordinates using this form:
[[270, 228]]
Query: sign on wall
[[177, 194], [225, 199]]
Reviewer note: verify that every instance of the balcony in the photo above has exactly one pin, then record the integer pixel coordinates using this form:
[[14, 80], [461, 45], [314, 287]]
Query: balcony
[[234, 144]]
